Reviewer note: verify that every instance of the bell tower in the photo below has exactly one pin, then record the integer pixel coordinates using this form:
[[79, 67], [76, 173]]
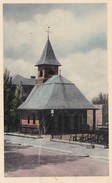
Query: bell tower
[[48, 63]]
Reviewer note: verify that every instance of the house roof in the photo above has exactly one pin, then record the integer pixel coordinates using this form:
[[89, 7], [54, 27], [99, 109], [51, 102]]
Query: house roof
[[48, 57], [25, 81], [56, 93]]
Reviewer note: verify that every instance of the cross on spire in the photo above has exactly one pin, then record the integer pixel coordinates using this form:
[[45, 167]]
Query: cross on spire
[[48, 32]]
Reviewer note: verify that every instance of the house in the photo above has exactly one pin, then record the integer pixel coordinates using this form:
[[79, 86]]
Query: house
[[27, 84], [101, 118]]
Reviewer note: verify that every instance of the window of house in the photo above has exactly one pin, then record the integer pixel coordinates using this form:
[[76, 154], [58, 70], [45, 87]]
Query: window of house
[[28, 119], [33, 118]]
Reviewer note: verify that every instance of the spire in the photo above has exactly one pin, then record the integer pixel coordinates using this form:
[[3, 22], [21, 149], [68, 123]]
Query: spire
[[48, 57]]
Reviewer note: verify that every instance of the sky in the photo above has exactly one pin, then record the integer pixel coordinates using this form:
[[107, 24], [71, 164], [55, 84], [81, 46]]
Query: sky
[[78, 37]]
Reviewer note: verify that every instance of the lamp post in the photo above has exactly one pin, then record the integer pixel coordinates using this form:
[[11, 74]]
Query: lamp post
[[52, 114]]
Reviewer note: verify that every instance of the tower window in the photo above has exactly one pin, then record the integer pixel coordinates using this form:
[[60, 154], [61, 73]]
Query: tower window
[[41, 73], [51, 72]]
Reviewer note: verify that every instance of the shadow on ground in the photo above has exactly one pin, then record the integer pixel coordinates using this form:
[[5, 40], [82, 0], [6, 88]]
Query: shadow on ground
[[15, 160]]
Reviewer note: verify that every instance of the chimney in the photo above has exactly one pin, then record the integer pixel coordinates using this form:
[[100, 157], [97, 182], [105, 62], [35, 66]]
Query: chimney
[[33, 77]]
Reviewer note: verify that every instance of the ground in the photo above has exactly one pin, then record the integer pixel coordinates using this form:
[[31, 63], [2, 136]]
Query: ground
[[29, 161]]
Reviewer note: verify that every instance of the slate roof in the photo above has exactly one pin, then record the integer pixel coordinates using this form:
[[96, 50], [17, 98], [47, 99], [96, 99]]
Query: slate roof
[[25, 81], [56, 93], [48, 57]]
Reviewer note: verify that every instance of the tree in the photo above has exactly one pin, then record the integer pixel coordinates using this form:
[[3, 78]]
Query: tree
[[16, 102], [12, 100], [8, 100], [102, 99]]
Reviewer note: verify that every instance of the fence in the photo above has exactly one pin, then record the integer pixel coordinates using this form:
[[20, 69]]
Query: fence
[[99, 136]]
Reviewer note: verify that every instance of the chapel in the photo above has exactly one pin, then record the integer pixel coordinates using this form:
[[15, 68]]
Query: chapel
[[55, 104]]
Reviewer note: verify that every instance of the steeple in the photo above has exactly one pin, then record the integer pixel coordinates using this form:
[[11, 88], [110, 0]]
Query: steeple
[[48, 63], [48, 57]]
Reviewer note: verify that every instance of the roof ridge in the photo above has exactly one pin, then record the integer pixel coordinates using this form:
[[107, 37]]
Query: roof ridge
[[62, 80]]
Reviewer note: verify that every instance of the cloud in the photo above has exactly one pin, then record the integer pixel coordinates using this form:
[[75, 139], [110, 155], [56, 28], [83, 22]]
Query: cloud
[[69, 32], [25, 12], [79, 42], [23, 52], [88, 71], [20, 67]]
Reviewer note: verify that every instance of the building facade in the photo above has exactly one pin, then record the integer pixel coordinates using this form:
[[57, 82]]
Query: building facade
[[55, 105]]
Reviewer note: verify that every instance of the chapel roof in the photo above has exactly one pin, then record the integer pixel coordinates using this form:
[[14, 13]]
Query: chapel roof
[[56, 93]]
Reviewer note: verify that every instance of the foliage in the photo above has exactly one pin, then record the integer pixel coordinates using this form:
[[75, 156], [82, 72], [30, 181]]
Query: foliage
[[8, 100], [16, 102], [100, 99], [12, 99]]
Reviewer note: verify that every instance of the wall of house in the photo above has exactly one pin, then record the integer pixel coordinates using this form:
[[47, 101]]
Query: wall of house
[[66, 121], [30, 118], [63, 121], [99, 116]]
